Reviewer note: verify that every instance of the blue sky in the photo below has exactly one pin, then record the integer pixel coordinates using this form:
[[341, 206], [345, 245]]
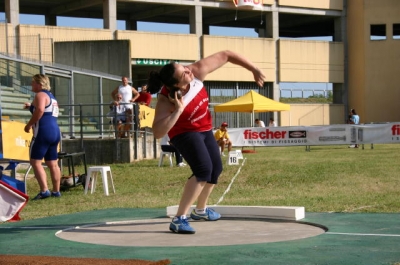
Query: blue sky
[[296, 88], [142, 26]]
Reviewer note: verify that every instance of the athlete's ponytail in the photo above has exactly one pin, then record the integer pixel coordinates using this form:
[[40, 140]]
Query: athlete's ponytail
[[164, 77]]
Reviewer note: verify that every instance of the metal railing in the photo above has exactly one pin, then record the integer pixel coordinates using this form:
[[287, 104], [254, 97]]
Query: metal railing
[[304, 93], [75, 124]]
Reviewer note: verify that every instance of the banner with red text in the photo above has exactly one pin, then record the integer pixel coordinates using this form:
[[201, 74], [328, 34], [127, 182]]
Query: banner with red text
[[316, 135], [248, 3]]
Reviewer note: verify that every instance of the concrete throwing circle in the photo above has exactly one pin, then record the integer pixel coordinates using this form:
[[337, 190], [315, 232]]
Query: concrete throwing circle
[[155, 232]]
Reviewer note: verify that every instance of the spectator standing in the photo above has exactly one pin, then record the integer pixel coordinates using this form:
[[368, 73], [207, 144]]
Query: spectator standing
[[272, 123], [167, 147], [259, 123], [144, 97], [355, 119], [350, 119], [354, 116], [46, 136]]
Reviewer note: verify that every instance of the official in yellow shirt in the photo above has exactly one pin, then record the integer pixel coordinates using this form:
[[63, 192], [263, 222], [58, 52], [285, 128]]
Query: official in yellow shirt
[[222, 138]]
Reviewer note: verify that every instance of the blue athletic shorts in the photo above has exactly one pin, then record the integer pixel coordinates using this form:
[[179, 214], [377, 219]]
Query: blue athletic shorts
[[45, 146], [201, 152]]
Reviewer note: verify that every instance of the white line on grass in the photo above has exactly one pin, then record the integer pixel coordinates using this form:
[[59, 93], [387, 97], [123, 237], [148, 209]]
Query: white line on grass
[[359, 208], [356, 234], [230, 184]]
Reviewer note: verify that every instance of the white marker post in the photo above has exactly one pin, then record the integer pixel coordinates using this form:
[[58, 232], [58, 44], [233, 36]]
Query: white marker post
[[233, 158], [239, 154]]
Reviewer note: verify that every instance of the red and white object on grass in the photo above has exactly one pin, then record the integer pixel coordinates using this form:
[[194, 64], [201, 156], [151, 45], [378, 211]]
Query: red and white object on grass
[[11, 202]]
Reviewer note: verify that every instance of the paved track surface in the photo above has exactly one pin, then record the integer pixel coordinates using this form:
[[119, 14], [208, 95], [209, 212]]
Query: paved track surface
[[155, 233], [349, 239]]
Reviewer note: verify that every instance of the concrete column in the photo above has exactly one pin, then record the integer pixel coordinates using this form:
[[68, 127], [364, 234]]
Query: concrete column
[[272, 31], [130, 24], [50, 20], [268, 30], [338, 32], [110, 14], [12, 13], [196, 24], [338, 93], [196, 20], [344, 95], [206, 29]]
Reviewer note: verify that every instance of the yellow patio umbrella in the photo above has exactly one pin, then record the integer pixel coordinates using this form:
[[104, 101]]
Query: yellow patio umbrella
[[252, 102]]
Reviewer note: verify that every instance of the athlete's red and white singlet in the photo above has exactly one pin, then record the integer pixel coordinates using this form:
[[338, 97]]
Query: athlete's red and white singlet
[[196, 116]]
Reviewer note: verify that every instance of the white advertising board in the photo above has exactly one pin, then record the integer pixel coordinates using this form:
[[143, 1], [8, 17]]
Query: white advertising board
[[316, 135]]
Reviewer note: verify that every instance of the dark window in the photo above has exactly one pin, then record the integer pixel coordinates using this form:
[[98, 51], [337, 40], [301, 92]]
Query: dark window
[[396, 31], [378, 32]]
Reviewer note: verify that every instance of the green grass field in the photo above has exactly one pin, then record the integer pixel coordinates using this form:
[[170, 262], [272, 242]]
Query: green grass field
[[326, 179]]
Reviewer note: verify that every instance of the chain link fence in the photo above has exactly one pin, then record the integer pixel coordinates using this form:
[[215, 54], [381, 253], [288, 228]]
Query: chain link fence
[[30, 47]]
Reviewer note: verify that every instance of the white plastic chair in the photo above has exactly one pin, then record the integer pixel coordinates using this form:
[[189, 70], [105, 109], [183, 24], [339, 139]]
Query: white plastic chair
[[162, 154], [105, 172]]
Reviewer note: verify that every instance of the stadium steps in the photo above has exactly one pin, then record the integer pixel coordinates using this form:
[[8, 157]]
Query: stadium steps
[[12, 103]]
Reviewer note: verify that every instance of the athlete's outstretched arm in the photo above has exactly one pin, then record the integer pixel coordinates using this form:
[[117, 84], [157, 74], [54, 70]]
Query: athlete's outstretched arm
[[211, 63]]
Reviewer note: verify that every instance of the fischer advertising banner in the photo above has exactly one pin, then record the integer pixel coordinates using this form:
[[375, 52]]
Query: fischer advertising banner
[[387, 133]]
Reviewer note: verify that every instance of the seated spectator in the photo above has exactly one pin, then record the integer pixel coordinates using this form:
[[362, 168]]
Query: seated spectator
[[167, 147], [259, 123], [129, 95], [144, 97], [272, 123], [118, 114], [222, 137], [350, 119]]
